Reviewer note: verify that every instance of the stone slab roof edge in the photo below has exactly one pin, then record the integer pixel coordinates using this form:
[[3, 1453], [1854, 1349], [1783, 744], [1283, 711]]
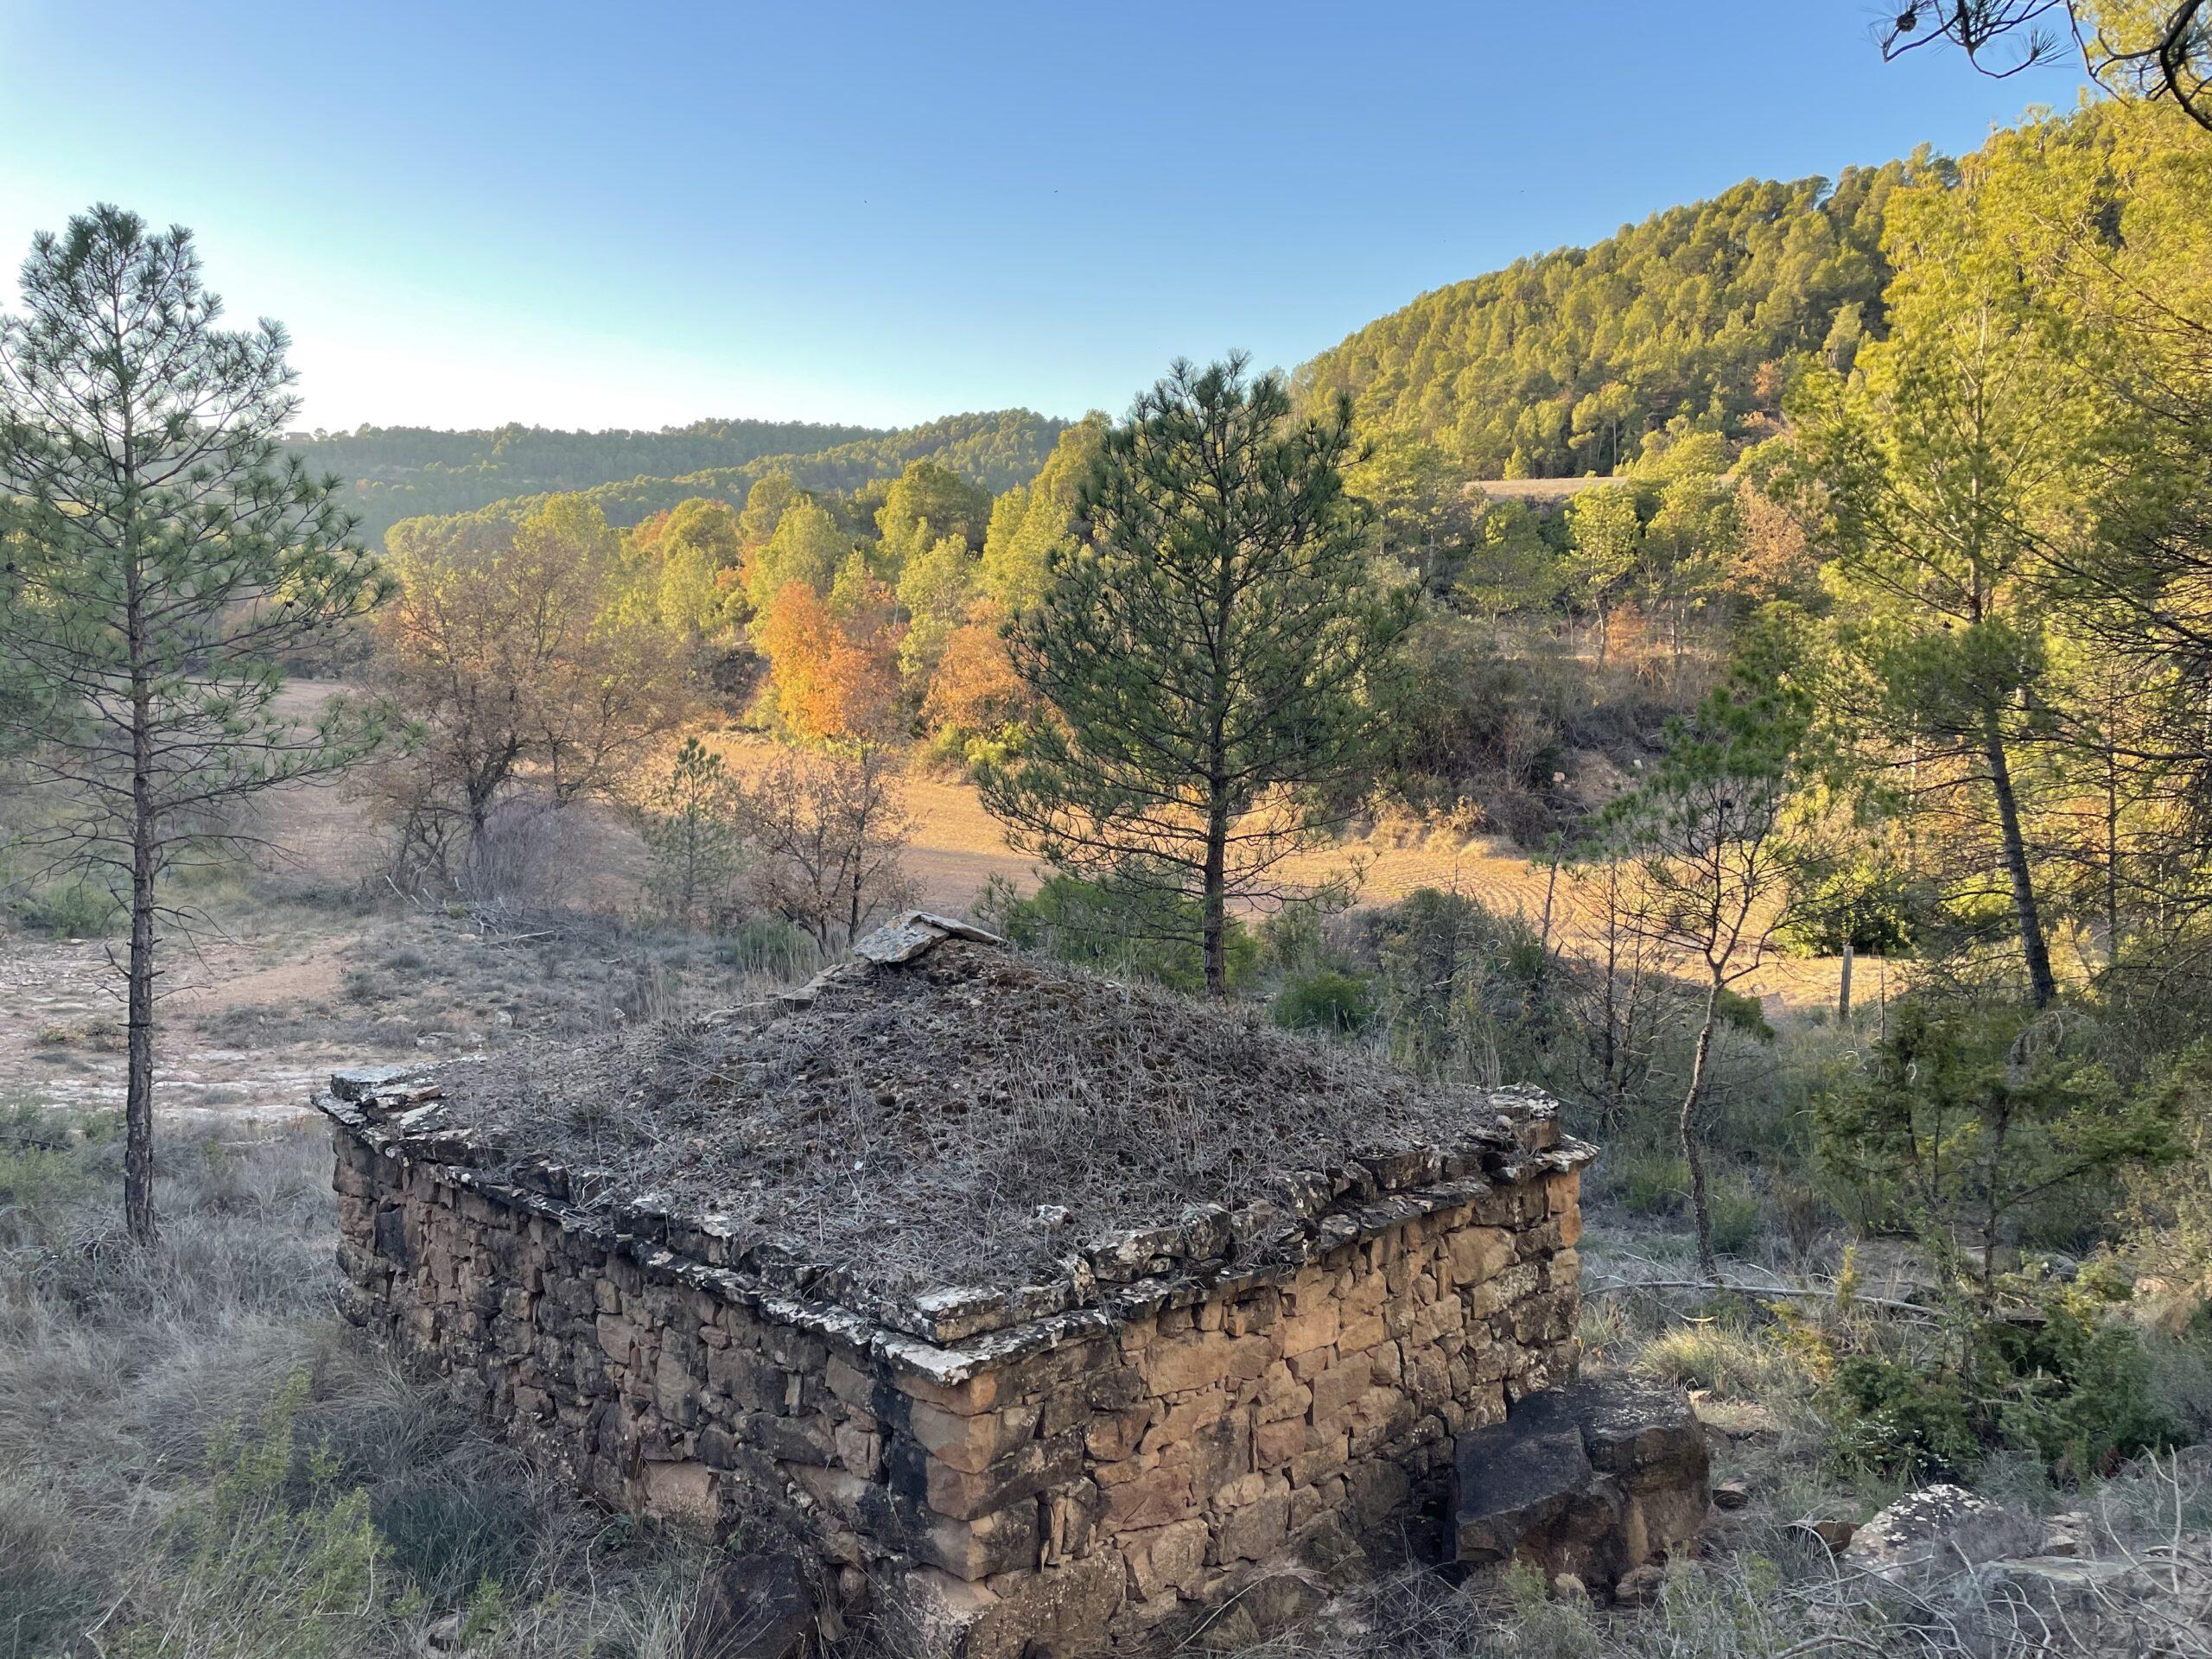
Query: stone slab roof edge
[[916, 933], [950, 1333]]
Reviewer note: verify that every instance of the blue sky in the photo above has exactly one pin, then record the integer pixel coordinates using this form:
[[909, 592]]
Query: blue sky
[[641, 214]]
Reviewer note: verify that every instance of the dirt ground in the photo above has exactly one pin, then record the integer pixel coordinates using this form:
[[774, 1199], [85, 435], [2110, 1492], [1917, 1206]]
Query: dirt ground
[[303, 969], [958, 846]]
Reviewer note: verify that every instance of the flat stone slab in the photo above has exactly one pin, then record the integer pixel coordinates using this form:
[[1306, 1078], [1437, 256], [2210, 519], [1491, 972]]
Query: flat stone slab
[[1600, 1478], [915, 934]]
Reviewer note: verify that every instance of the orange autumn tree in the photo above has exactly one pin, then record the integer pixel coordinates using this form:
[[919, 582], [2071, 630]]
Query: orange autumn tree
[[975, 688], [833, 664]]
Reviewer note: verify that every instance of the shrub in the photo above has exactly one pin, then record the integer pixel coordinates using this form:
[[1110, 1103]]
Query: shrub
[[1895, 1417], [272, 1555], [1651, 1182], [768, 944], [70, 910], [1461, 989], [1738, 1216], [1325, 1001], [2053, 1370], [2076, 1385]]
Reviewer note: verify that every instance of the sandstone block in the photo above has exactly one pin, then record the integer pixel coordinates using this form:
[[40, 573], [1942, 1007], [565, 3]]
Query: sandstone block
[[1169, 1557], [1258, 1530], [1023, 1473], [1153, 1499], [971, 1444]]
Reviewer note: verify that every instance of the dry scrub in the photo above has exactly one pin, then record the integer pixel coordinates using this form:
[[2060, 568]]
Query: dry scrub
[[198, 1459], [913, 1121]]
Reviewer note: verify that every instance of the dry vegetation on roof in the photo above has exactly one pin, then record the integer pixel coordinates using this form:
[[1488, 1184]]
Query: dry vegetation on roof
[[912, 1121]]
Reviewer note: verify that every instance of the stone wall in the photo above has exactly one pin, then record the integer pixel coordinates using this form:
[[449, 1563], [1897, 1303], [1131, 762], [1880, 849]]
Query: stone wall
[[1013, 1469]]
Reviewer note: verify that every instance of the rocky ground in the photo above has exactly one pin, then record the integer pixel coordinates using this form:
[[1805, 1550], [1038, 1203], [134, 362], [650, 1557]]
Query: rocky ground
[[256, 1011]]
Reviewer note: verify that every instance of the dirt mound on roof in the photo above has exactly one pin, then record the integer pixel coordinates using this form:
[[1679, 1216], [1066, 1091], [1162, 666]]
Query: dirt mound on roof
[[963, 1117]]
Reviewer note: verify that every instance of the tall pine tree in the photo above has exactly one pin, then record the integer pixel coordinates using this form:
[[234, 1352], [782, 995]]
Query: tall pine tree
[[162, 559], [1208, 656]]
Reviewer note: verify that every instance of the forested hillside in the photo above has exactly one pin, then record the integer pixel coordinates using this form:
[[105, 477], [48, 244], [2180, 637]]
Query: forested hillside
[[406, 471], [397, 472], [997, 450], [1561, 363]]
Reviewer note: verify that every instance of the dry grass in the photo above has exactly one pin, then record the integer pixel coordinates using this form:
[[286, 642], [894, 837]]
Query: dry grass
[[197, 1458], [910, 1122]]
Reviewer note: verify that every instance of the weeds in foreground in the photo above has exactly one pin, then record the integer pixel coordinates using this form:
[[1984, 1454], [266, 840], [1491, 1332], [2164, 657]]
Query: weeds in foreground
[[198, 1458]]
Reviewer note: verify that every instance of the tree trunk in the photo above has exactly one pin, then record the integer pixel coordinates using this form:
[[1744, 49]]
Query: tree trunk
[[1843, 989], [138, 1070], [1216, 899], [1693, 1151], [2043, 987]]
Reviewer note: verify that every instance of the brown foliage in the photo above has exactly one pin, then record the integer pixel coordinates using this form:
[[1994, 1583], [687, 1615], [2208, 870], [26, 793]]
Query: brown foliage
[[825, 833], [503, 653], [975, 688]]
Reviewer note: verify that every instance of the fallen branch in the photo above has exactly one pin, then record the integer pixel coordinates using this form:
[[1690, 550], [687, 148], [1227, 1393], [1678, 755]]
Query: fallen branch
[[1709, 1285]]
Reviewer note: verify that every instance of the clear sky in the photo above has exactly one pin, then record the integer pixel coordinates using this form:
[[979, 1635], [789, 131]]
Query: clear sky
[[639, 214]]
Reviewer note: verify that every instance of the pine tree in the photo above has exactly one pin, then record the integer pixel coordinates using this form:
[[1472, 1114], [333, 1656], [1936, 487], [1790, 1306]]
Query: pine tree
[[162, 560], [1208, 656]]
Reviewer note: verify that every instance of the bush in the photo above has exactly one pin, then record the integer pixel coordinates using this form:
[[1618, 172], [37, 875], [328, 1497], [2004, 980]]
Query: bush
[[1325, 1001], [768, 944], [1651, 1182], [1462, 990], [1899, 1417], [272, 1555], [2076, 1385], [2056, 1372], [70, 910], [1738, 1216]]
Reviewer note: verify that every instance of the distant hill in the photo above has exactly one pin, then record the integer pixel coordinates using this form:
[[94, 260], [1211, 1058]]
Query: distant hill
[[399, 472], [1562, 364], [404, 472], [998, 450]]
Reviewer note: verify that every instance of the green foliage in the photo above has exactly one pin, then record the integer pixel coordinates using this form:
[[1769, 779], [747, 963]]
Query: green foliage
[[694, 840], [45, 1171], [679, 566], [1034, 525], [1140, 929], [1325, 999], [391, 473], [1865, 899], [2057, 1371], [70, 908], [935, 586], [1649, 1180], [927, 503], [1560, 364], [400, 472], [273, 1555], [1460, 989], [1899, 1417], [807, 547], [1208, 656], [1970, 1115], [2076, 1383]]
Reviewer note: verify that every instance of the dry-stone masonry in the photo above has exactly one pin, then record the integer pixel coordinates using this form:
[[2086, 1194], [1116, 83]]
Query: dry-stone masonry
[[1188, 1410]]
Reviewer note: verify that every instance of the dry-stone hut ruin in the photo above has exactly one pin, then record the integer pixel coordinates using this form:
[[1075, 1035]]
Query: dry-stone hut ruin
[[1048, 1312]]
